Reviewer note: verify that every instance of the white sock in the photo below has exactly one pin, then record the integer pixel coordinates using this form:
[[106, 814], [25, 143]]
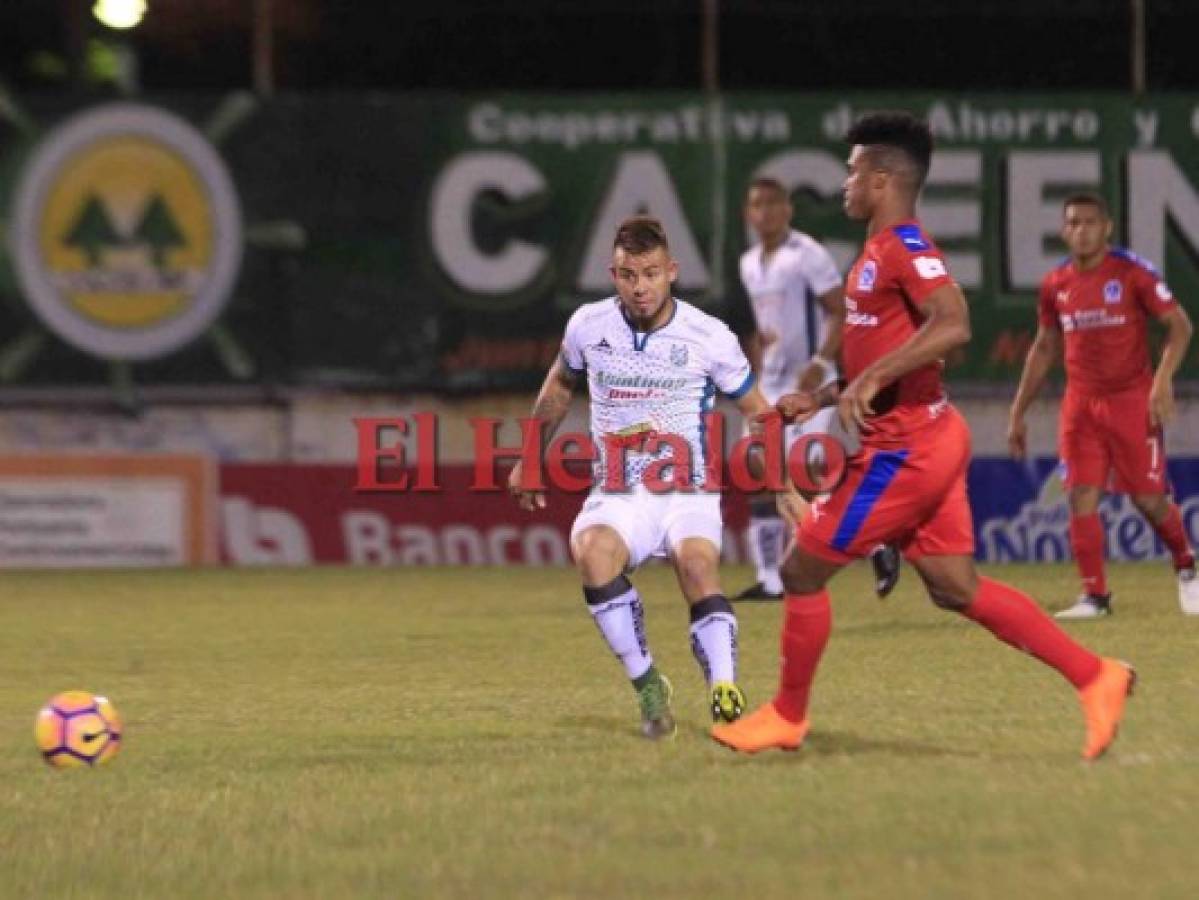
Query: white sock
[[714, 638], [618, 613], [767, 540]]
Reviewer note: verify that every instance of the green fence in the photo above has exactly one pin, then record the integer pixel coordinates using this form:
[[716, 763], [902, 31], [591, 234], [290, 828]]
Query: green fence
[[433, 241]]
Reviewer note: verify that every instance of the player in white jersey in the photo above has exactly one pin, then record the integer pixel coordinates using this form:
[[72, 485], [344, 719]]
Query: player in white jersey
[[797, 298], [653, 365]]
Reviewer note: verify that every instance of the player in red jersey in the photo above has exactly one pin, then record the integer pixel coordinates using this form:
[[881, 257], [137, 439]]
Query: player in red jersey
[[1097, 304], [907, 484]]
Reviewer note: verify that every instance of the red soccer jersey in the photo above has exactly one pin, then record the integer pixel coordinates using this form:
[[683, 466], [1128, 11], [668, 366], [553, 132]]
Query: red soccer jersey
[[1102, 314], [898, 268]]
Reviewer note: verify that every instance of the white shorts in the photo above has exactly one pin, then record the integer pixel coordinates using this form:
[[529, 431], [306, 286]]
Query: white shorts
[[653, 524]]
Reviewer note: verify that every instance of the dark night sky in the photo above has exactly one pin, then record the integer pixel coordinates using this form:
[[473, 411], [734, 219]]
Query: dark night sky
[[593, 44]]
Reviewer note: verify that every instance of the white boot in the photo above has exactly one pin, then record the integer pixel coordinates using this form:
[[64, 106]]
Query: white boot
[[1088, 606], [1188, 591]]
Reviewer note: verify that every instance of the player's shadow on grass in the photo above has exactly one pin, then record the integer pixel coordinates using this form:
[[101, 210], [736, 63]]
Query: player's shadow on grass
[[892, 627], [819, 744], [603, 724], [848, 743]]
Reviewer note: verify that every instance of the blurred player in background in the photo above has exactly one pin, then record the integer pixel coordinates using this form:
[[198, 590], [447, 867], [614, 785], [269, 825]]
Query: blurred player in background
[[907, 484], [652, 365], [796, 295], [1097, 304]]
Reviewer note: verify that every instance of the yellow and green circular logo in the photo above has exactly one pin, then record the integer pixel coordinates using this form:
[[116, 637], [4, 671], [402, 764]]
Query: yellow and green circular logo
[[128, 232]]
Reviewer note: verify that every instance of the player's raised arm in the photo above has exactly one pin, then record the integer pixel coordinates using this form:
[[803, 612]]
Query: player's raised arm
[[946, 326], [551, 406]]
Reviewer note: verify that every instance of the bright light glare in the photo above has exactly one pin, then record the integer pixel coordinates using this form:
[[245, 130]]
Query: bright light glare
[[119, 13]]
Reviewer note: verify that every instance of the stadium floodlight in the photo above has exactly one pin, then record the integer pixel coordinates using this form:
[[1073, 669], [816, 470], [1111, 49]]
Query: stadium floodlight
[[120, 14]]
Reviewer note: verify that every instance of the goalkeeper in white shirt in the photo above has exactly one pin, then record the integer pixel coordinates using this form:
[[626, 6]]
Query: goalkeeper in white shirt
[[797, 298]]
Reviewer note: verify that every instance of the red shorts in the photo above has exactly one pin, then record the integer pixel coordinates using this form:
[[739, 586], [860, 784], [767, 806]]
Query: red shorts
[[1107, 442], [913, 496]]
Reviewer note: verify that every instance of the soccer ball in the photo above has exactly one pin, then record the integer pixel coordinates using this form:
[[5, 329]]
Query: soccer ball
[[77, 729]]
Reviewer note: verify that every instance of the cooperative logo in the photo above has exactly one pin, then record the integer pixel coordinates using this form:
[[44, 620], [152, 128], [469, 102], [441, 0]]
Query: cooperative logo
[[127, 232]]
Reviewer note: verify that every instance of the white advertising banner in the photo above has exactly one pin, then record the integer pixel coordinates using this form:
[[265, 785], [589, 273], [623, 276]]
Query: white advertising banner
[[99, 512]]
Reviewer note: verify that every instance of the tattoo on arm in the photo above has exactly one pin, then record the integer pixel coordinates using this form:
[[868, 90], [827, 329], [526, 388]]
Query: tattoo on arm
[[553, 402], [551, 406]]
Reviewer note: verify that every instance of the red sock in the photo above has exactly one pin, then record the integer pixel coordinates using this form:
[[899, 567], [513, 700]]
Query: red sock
[[1086, 540], [806, 626], [1171, 532], [1013, 618]]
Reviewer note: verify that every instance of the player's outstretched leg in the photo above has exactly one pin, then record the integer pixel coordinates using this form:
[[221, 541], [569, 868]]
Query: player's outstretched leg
[[1102, 684], [1012, 616], [1166, 519], [714, 645], [620, 616]]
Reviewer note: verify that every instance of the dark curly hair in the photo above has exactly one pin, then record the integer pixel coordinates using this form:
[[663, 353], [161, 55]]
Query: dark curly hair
[[895, 133]]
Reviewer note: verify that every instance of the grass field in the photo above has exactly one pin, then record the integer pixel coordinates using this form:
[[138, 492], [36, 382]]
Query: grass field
[[340, 733]]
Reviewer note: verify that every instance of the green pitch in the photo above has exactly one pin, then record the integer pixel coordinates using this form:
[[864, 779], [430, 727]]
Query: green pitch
[[462, 733]]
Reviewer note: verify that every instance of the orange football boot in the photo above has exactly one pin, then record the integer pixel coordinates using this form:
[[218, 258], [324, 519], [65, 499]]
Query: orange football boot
[[763, 729], [1103, 705]]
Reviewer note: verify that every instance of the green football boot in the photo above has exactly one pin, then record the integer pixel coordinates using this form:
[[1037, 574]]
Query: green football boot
[[654, 696]]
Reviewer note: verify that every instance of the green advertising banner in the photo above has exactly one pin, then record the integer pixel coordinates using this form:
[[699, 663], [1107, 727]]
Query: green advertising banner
[[432, 242]]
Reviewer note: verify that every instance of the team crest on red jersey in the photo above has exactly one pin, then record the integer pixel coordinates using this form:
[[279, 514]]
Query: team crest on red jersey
[[1112, 291], [867, 276]]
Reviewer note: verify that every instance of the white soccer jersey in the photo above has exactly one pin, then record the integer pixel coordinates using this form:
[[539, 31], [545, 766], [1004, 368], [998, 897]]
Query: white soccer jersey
[[783, 291], [662, 382]]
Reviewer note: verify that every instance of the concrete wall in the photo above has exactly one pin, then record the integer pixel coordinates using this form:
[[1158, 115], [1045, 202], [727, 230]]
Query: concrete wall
[[318, 426]]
